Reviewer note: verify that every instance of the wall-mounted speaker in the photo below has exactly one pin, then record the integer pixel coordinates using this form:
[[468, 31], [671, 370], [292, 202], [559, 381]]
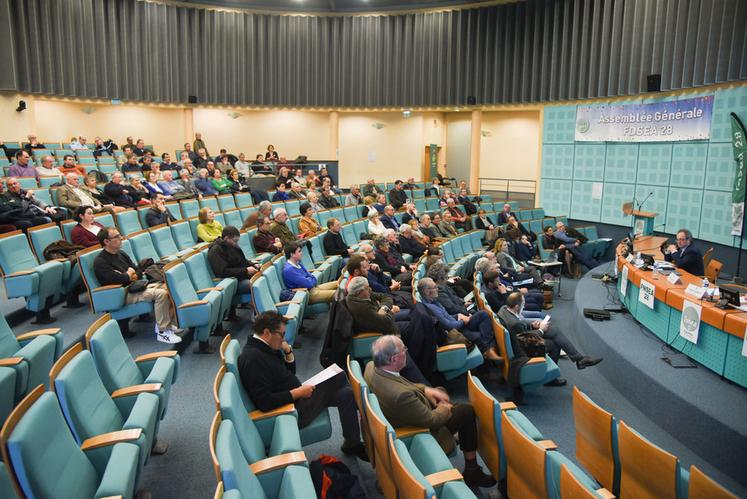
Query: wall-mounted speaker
[[471, 100], [653, 83], [192, 99]]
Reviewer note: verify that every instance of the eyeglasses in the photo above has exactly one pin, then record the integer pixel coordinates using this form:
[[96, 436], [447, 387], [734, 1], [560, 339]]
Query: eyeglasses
[[118, 236]]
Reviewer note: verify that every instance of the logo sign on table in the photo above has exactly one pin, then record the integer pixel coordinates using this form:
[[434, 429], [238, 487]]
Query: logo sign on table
[[624, 281], [696, 291], [686, 119], [690, 321], [646, 294], [673, 278]]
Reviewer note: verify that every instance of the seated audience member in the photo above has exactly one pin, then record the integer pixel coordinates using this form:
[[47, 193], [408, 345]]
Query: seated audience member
[[388, 220], [477, 328], [131, 165], [483, 222], [398, 196], [221, 184], [138, 189], [211, 169], [222, 164], [114, 266], [77, 143], [447, 296], [327, 198], [139, 148], [373, 311], [176, 189], [204, 183], [199, 143], [375, 227], [296, 191], [511, 316], [119, 193], [514, 224], [389, 260], [156, 187], [417, 233], [534, 297], [371, 189], [201, 160], [103, 148], [354, 198], [572, 245], [524, 249], [333, 242], [296, 276], [183, 158], [271, 154], [32, 144], [146, 164], [264, 209], [167, 164], [227, 260], [368, 205], [434, 189], [507, 212], [313, 199], [259, 165], [411, 213], [495, 291], [280, 193], [72, 196], [267, 369], [90, 186], [158, 213], [430, 229], [324, 175], [405, 403], [27, 207], [14, 212], [312, 180], [284, 177], [238, 184], [23, 166], [243, 166], [191, 153], [460, 219], [85, 233], [280, 228], [684, 254], [69, 166], [446, 225], [408, 243], [378, 280], [223, 156], [47, 168], [298, 177], [209, 229], [515, 269], [308, 226], [464, 200], [264, 241], [380, 203], [188, 184]]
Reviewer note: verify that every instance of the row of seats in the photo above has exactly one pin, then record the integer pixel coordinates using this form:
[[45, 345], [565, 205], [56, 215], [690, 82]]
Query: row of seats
[[92, 434]]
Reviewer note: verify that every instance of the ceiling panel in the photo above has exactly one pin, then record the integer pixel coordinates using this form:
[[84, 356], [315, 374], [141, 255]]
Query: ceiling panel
[[319, 6]]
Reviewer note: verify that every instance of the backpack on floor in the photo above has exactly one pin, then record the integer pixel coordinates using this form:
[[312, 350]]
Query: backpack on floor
[[333, 479]]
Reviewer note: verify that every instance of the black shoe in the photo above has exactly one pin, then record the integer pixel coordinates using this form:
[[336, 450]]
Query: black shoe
[[557, 382], [475, 477], [219, 331], [205, 347], [357, 449], [72, 301], [585, 362], [43, 317]]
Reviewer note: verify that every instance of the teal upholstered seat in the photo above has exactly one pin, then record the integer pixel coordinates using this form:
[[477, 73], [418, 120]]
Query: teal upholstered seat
[[226, 202], [142, 246], [243, 199], [91, 411], [128, 222], [202, 314], [189, 207], [7, 391], [164, 243], [41, 237], [183, 236], [209, 202], [263, 302], [47, 463], [203, 282], [118, 369], [233, 217]]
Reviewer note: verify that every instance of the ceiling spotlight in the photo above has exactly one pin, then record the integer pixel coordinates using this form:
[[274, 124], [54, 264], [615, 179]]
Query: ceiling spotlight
[[21, 106], [406, 113]]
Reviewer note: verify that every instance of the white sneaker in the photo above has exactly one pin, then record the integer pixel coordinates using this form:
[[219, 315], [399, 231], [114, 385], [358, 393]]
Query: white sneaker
[[176, 330], [167, 336]]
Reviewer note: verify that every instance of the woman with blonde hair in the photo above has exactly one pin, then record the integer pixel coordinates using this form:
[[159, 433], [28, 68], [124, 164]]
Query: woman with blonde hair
[[208, 230]]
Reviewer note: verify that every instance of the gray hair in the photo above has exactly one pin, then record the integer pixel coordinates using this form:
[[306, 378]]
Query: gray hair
[[278, 211], [404, 228], [438, 272], [384, 349], [372, 214], [356, 285], [388, 232], [483, 265], [388, 207], [365, 247], [423, 283], [263, 205]]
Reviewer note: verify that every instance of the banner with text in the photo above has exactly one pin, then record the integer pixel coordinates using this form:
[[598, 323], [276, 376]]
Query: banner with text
[[687, 119]]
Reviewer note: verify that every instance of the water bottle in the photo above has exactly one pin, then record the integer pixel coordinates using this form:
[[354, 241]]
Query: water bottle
[[706, 283]]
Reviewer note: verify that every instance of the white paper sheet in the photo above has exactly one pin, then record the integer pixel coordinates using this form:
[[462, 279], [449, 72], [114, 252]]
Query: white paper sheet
[[323, 376], [596, 190]]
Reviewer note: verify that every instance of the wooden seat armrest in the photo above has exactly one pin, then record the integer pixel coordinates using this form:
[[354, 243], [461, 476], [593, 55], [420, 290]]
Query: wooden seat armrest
[[136, 389], [58, 260], [507, 406], [296, 290], [111, 438], [207, 290], [10, 361], [408, 431], [193, 304], [441, 477], [108, 286], [116, 497], [20, 273], [369, 334], [289, 317], [283, 409], [535, 360], [604, 493], [286, 303], [449, 348], [547, 444], [156, 355], [38, 332], [276, 462], [218, 279]]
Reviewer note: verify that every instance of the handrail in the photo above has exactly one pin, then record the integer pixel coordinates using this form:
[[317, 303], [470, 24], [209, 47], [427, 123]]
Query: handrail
[[508, 185]]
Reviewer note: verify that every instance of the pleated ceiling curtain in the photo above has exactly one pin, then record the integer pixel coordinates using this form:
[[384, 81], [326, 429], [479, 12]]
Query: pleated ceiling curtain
[[538, 50]]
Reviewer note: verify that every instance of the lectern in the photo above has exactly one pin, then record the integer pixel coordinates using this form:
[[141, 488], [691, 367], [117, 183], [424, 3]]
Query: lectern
[[643, 221]]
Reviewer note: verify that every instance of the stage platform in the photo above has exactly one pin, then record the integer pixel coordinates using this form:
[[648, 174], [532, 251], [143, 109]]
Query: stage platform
[[703, 411]]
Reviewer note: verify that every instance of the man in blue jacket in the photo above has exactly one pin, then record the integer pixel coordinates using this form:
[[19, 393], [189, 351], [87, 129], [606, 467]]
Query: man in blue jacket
[[684, 254], [296, 276]]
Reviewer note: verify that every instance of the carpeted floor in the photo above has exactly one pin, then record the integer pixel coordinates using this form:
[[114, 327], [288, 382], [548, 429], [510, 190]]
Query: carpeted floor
[[185, 471]]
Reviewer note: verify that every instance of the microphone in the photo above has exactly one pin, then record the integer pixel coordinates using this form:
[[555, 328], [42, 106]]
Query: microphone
[[642, 202]]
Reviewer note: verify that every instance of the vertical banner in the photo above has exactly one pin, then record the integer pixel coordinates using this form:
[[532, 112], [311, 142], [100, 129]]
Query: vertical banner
[[690, 321], [737, 194], [624, 281], [433, 164], [646, 294]]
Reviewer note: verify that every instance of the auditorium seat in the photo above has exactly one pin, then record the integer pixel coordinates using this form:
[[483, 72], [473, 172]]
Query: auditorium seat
[[7, 393], [45, 182], [174, 209], [209, 202], [596, 441], [189, 208], [90, 411], [284, 436], [163, 241], [128, 222], [281, 477], [183, 236], [243, 199], [360, 394], [233, 217], [120, 373], [142, 246], [25, 277], [490, 438], [572, 488], [264, 302], [226, 202], [42, 236], [200, 314], [202, 280], [701, 486], [247, 246], [713, 270]]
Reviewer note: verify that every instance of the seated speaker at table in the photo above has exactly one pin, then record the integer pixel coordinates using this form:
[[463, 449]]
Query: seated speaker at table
[[684, 254]]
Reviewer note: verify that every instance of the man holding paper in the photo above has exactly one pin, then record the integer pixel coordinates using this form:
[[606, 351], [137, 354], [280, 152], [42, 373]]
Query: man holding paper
[[267, 369]]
